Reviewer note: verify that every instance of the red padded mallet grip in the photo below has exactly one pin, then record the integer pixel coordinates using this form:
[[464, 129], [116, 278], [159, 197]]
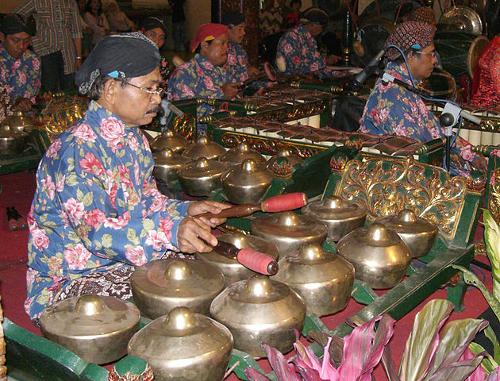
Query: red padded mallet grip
[[257, 261], [284, 202]]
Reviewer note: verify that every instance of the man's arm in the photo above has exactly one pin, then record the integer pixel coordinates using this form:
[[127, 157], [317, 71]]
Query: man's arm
[[78, 48], [76, 33], [103, 218], [181, 85]]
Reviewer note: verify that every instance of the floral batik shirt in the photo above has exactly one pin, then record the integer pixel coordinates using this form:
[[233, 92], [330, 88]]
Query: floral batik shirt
[[21, 76], [197, 78], [164, 72], [96, 206], [392, 109], [300, 51], [237, 63]]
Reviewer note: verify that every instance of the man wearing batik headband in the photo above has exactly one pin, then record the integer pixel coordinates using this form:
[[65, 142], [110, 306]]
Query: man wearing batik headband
[[97, 212], [19, 66], [392, 109], [423, 14], [203, 76]]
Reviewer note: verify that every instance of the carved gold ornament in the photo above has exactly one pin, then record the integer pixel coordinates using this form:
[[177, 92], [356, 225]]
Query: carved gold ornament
[[494, 200], [385, 186]]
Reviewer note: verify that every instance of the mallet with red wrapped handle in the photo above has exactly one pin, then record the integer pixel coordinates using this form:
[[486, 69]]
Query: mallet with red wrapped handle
[[281, 203], [252, 259]]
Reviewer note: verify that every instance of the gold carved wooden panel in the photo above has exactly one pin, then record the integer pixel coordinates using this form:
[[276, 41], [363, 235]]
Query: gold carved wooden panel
[[385, 186]]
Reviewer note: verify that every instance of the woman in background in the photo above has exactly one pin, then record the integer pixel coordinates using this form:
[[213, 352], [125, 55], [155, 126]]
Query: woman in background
[[96, 20], [118, 20]]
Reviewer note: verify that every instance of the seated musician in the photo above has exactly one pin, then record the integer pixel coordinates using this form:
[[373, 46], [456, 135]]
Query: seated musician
[[299, 49], [237, 66], [19, 66], [392, 109], [97, 212], [203, 76], [154, 28]]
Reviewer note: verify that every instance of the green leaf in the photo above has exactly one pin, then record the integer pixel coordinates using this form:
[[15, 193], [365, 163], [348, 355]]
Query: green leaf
[[79, 195], [454, 340], [419, 346], [148, 225], [472, 279], [132, 236], [88, 199], [458, 371], [490, 334], [492, 240], [71, 180], [73, 236], [71, 164], [107, 241], [488, 363]]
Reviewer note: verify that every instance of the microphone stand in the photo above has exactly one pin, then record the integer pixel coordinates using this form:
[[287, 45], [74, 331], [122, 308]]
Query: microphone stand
[[169, 110], [449, 118]]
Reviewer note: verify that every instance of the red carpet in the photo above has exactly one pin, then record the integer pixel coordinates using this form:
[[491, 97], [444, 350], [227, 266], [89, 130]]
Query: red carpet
[[17, 191]]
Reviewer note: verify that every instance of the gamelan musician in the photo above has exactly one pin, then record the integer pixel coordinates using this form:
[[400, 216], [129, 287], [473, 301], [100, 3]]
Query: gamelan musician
[[237, 67], [393, 109], [204, 76], [298, 48], [19, 67], [97, 212]]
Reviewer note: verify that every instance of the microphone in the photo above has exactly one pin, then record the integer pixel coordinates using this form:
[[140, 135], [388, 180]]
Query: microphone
[[369, 69], [389, 78], [456, 112], [167, 108]]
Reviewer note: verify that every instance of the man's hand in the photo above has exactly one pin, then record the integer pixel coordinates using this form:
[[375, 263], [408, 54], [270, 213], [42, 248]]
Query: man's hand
[[194, 236], [332, 59], [253, 71], [199, 207], [22, 104], [231, 90]]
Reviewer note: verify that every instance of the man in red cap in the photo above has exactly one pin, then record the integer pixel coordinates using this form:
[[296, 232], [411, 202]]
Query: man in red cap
[[203, 76]]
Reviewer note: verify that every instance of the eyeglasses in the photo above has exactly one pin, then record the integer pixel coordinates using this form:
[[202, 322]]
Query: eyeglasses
[[433, 54], [147, 90]]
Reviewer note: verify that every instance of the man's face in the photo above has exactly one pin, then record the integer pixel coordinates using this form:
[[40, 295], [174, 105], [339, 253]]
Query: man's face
[[422, 62], [17, 43], [136, 106], [237, 33], [315, 29], [216, 51], [157, 35]]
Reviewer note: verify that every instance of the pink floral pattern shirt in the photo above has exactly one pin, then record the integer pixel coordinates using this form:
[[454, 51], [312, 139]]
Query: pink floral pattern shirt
[[20, 76], [197, 78], [392, 109], [237, 63], [96, 205], [300, 52]]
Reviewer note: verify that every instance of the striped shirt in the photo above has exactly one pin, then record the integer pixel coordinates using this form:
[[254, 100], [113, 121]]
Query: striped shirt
[[57, 24]]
